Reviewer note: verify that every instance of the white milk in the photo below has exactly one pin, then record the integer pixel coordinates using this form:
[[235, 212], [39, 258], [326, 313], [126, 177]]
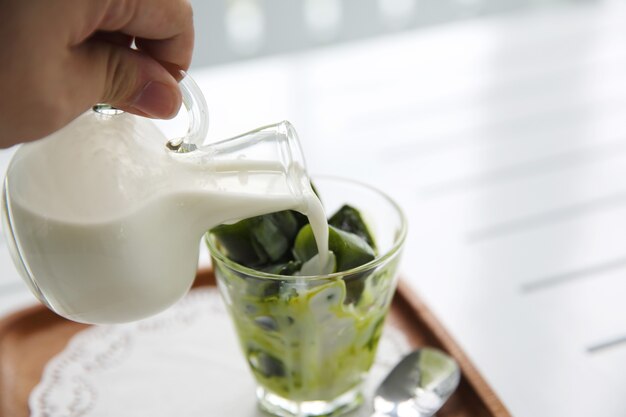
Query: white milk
[[109, 229]]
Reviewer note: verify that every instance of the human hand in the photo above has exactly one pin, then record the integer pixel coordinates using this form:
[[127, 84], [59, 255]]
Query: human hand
[[60, 57]]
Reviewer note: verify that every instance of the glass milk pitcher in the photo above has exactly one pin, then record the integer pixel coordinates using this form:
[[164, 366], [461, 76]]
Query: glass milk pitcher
[[104, 217]]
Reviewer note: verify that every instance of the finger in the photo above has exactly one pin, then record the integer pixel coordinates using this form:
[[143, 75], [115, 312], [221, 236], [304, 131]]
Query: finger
[[125, 78], [162, 28]]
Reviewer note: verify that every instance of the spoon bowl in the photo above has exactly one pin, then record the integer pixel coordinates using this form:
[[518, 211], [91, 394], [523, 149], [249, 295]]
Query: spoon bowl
[[418, 385]]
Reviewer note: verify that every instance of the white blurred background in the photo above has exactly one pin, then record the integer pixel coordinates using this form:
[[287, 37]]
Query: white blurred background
[[232, 30], [500, 127]]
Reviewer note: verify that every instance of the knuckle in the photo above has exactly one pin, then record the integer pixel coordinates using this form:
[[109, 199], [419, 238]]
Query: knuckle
[[187, 11], [183, 12], [117, 13]]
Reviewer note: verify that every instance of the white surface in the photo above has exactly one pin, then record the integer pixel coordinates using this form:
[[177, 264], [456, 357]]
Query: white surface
[[505, 141], [184, 362]]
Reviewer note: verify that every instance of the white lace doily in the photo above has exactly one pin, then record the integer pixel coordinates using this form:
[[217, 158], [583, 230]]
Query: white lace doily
[[183, 362]]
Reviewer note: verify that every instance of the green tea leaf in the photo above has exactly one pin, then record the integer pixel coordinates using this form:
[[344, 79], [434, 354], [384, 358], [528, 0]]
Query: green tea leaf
[[350, 249], [270, 237], [349, 219], [261, 240], [238, 243], [285, 268], [287, 222], [267, 365]]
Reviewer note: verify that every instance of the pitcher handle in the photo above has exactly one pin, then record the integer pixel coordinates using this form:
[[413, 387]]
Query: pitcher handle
[[198, 114]]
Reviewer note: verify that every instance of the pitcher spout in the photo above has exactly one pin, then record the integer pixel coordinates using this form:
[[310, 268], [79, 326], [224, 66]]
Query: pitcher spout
[[255, 173]]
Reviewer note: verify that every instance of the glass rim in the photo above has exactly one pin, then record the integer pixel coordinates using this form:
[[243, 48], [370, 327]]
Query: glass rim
[[395, 248]]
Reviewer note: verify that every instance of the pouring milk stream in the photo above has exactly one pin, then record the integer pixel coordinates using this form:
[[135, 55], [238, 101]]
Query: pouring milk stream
[[105, 216]]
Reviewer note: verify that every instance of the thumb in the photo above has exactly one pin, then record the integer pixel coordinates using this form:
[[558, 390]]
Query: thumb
[[127, 79]]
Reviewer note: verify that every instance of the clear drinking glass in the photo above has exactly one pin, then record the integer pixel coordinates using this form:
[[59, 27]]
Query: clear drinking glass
[[310, 341]]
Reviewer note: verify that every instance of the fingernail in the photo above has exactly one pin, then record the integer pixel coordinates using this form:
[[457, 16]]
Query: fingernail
[[158, 100]]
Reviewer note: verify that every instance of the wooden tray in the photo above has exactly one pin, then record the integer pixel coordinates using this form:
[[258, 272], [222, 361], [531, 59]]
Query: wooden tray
[[29, 338]]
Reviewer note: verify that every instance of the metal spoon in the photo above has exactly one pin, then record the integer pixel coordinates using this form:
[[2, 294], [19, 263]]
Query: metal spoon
[[418, 385]]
